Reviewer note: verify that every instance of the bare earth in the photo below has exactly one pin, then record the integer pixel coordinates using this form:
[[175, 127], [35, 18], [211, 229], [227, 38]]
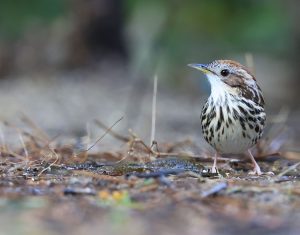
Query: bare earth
[[50, 185]]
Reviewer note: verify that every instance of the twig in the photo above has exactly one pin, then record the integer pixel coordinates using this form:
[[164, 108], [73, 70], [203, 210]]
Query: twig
[[215, 189], [101, 137], [177, 154], [24, 146], [111, 132], [34, 126], [292, 167], [49, 167], [2, 137]]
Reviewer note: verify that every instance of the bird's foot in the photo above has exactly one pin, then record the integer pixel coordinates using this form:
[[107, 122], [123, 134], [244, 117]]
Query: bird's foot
[[268, 173], [214, 170], [256, 171]]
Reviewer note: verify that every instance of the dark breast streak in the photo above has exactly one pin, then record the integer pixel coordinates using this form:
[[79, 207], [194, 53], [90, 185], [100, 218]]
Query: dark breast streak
[[252, 94], [246, 116]]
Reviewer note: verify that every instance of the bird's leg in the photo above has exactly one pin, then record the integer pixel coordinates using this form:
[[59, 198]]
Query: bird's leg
[[256, 169], [214, 168]]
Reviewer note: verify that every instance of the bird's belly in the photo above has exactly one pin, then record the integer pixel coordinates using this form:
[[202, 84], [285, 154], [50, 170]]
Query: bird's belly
[[234, 139]]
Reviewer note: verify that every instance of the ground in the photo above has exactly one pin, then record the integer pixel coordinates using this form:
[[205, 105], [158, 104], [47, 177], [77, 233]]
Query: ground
[[49, 184]]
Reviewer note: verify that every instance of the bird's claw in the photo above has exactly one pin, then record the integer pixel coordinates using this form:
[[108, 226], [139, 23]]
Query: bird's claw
[[255, 171]]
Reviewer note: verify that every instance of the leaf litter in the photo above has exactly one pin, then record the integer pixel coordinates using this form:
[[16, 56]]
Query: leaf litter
[[151, 179]]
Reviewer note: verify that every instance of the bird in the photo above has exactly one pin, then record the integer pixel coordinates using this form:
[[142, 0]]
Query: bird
[[233, 117]]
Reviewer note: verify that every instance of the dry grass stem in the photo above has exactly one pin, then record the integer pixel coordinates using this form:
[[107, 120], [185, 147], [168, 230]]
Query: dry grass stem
[[290, 168], [102, 136], [112, 132], [153, 122]]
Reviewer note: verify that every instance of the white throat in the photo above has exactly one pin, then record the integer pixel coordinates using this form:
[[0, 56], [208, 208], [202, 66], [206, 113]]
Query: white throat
[[219, 90]]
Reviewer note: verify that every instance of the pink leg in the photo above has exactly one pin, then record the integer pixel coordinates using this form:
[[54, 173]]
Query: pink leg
[[214, 168], [256, 169]]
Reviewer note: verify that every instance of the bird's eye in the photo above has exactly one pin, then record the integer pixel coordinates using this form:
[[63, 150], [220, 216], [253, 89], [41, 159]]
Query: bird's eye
[[224, 72]]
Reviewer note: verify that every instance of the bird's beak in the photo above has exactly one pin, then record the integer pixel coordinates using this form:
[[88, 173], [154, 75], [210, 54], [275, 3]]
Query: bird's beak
[[201, 67]]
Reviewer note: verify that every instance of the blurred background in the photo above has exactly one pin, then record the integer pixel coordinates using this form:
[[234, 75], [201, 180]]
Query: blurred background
[[65, 63]]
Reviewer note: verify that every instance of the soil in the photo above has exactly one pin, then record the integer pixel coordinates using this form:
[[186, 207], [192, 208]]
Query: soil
[[50, 184]]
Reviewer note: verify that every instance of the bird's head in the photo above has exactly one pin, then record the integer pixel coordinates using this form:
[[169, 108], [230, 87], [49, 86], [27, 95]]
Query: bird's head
[[227, 76]]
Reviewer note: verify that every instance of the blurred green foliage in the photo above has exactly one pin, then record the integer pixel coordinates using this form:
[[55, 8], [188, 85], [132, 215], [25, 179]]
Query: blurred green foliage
[[173, 32], [237, 24], [16, 16], [197, 30]]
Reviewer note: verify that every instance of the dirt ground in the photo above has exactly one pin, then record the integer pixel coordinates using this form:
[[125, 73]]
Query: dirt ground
[[50, 185]]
